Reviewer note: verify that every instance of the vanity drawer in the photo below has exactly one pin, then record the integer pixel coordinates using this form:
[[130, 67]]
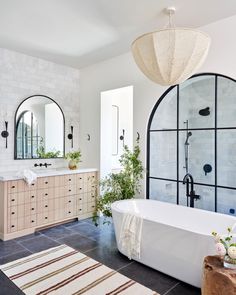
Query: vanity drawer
[[81, 178], [92, 176], [16, 186], [80, 188], [30, 196], [91, 206], [46, 182], [30, 221], [69, 211], [12, 225], [30, 208], [45, 194], [45, 217], [45, 206], [70, 179], [70, 201], [91, 196], [82, 209], [70, 190]]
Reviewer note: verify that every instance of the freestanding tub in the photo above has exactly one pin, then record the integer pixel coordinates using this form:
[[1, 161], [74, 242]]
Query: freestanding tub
[[175, 239]]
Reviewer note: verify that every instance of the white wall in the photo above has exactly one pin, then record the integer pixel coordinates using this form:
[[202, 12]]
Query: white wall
[[122, 98], [122, 71], [22, 76]]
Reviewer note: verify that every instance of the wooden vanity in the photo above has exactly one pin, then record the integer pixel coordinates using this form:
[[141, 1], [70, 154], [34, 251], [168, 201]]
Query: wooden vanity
[[51, 199]]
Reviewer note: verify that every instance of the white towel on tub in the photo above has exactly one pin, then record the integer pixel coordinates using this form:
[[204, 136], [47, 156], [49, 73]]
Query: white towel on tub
[[28, 175], [131, 235]]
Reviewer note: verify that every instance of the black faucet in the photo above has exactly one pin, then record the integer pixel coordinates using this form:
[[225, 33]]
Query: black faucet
[[42, 165], [188, 179]]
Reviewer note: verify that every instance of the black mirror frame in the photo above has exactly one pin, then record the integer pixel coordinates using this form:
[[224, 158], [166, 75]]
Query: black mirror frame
[[15, 128]]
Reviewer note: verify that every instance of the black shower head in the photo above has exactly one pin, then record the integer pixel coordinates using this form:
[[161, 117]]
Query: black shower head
[[205, 112]]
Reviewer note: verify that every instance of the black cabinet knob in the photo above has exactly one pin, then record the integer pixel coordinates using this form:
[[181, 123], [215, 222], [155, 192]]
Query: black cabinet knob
[[32, 184], [80, 199], [69, 179], [46, 182], [46, 206], [32, 221], [80, 209], [46, 194], [69, 212], [32, 197], [69, 190], [13, 186], [70, 201], [12, 213], [32, 209], [13, 200], [80, 188], [45, 217], [13, 225]]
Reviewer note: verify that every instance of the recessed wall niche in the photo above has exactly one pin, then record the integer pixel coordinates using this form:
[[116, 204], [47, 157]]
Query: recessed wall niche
[[192, 128]]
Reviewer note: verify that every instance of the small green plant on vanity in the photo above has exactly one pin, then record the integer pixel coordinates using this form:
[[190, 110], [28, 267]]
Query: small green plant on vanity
[[74, 159], [120, 186]]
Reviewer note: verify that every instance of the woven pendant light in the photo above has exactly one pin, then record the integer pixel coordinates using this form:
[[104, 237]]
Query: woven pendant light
[[170, 56]]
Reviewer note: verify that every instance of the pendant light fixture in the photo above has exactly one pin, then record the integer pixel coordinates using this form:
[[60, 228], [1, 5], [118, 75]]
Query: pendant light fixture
[[170, 56]]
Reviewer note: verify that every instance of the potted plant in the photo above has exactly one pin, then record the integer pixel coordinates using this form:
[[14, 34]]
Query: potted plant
[[74, 159], [120, 186], [226, 247]]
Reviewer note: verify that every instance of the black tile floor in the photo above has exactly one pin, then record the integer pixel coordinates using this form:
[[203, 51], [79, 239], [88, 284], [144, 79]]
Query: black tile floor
[[98, 243]]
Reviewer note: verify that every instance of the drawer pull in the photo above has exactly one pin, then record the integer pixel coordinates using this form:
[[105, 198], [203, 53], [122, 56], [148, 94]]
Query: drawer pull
[[69, 212], [32, 209], [32, 197], [80, 188], [13, 186], [13, 200], [70, 201], [12, 213], [46, 206], [32, 184], [93, 196], [80, 199], [46, 194], [80, 209], [45, 217], [93, 176], [92, 185], [46, 182], [93, 206], [13, 225], [69, 179], [32, 221], [80, 178]]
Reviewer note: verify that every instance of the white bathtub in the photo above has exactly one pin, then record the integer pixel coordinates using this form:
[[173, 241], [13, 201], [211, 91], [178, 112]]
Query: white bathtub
[[175, 239]]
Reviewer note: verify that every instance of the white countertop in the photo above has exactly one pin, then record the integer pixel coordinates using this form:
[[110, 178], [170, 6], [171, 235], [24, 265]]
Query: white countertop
[[12, 175]]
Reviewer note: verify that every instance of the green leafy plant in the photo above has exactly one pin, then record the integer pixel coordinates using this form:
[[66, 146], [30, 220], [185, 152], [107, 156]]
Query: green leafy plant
[[75, 155], [47, 155], [120, 186]]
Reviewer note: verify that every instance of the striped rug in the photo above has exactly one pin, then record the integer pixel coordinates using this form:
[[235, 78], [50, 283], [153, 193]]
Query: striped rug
[[63, 270]]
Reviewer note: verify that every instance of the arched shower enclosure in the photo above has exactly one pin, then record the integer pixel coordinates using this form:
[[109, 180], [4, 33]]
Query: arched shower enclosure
[[192, 128]]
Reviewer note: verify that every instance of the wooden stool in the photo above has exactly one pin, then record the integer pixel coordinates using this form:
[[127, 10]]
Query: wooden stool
[[217, 280]]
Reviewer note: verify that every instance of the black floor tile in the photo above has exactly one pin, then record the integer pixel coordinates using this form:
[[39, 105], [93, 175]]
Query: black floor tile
[[27, 237], [85, 229], [56, 232], [185, 289], [7, 287], [9, 247], [39, 243], [79, 242], [14, 256], [111, 257], [149, 277]]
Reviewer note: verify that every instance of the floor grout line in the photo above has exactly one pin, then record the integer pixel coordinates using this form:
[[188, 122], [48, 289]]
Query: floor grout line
[[17, 252], [124, 266], [168, 291]]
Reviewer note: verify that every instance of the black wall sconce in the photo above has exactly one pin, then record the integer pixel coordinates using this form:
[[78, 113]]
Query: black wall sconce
[[5, 133], [88, 137], [122, 137], [71, 135], [138, 137]]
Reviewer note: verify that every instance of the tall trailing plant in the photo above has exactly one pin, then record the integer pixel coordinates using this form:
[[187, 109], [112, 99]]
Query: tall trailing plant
[[120, 186]]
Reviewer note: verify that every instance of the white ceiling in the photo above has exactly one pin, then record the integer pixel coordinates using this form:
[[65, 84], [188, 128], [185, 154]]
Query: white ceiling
[[82, 32]]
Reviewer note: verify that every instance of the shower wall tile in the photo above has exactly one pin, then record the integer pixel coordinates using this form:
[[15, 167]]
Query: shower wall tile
[[162, 190]]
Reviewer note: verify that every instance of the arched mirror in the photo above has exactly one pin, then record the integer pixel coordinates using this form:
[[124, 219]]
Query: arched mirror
[[39, 129]]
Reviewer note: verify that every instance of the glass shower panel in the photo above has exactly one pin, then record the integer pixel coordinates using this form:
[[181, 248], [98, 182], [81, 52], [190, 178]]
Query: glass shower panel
[[163, 162], [197, 103], [163, 190], [166, 114], [207, 197], [226, 157], [226, 102], [197, 152], [226, 201]]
